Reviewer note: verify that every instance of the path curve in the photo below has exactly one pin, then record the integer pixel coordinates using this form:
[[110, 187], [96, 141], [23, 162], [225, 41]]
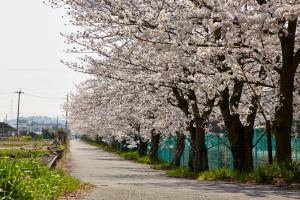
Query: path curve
[[119, 179]]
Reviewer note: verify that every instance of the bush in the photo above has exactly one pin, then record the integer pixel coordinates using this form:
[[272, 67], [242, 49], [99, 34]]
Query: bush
[[285, 172], [162, 166], [132, 155], [144, 159], [216, 174], [28, 179], [182, 172]]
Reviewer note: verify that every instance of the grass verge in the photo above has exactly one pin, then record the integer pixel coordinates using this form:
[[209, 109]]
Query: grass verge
[[285, 173], [23, 176], [182, 172], [28, 179]]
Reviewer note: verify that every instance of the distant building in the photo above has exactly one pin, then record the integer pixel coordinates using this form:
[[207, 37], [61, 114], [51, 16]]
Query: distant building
[[6, 130]]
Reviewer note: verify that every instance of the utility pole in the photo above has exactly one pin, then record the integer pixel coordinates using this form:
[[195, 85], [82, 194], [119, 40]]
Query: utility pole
[[67, 113], [18, 113], [57, 122]]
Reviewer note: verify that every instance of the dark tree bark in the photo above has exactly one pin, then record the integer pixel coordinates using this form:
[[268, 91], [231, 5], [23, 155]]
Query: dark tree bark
[[199, 161], [114, 143], [124, 145], [142, 147], [240, 136], [99, 139], [282, 125], [155, 139], [192, 154], [179, 149], [269, 142]]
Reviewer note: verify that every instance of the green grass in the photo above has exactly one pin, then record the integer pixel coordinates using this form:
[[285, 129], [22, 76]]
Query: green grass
[[216, 174], [21, 153], [22, 139], [162, 166], [285, 172], [134, 155], [182, 172], [276, 173], [28, 179]]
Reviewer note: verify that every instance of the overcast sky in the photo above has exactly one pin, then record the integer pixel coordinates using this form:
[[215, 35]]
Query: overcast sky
[[30, 52]]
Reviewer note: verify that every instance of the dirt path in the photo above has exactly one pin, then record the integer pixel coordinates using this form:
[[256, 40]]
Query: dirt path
[[119, 179]]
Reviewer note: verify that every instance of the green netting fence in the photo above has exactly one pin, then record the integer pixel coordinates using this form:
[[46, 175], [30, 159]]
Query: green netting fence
[[219, 153]]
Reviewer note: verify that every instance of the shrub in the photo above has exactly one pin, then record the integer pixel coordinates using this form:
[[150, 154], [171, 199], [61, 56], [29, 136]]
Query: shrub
[[285, 172], [144, 159], [132, 155], [182, 172], [162, 166], [216, 174], [28, 179]]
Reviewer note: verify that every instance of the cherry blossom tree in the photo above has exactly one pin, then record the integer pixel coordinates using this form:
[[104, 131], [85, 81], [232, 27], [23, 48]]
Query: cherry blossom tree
[[162, 67]]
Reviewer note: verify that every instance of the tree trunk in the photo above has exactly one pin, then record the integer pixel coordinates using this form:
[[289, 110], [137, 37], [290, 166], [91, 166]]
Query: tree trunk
[[155, 138], [269, 142], [142, 147], [241, 138], [192, 146], [284, 119], [201, 161], [284, 111], [114, 143], [99, 139], [198, 160], [124, 145], [179, 148]]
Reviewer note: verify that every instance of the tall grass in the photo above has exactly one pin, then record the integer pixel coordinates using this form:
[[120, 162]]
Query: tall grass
[[30, 180]]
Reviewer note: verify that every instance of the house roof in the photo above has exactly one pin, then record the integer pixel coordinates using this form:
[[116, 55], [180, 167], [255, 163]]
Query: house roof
[[6, 126]]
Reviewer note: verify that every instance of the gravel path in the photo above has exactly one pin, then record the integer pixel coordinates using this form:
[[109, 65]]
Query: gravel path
[[119, 179]]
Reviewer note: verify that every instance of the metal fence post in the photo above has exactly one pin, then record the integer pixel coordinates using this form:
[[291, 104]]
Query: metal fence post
[[218, 153], [255, 149], [296, 147]]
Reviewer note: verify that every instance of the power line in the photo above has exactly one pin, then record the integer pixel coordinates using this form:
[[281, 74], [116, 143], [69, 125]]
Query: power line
[[31, 69], [42, 97], [67, 112], [6, 92]]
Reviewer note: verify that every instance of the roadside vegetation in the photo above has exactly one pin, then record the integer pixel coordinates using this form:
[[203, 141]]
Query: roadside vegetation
[[29, 179], [25, 171], [284, 173]]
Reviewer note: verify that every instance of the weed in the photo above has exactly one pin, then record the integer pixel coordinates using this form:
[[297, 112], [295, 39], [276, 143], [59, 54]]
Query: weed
[[28, 179], [182, 172], [216, 174], [162, 166]]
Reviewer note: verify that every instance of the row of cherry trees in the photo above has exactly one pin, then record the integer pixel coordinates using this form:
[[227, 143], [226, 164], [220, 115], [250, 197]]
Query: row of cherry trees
[[170, 66]]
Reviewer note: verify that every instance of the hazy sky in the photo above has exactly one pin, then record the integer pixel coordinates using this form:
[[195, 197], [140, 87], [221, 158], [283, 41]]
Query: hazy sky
[[30, 52]]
